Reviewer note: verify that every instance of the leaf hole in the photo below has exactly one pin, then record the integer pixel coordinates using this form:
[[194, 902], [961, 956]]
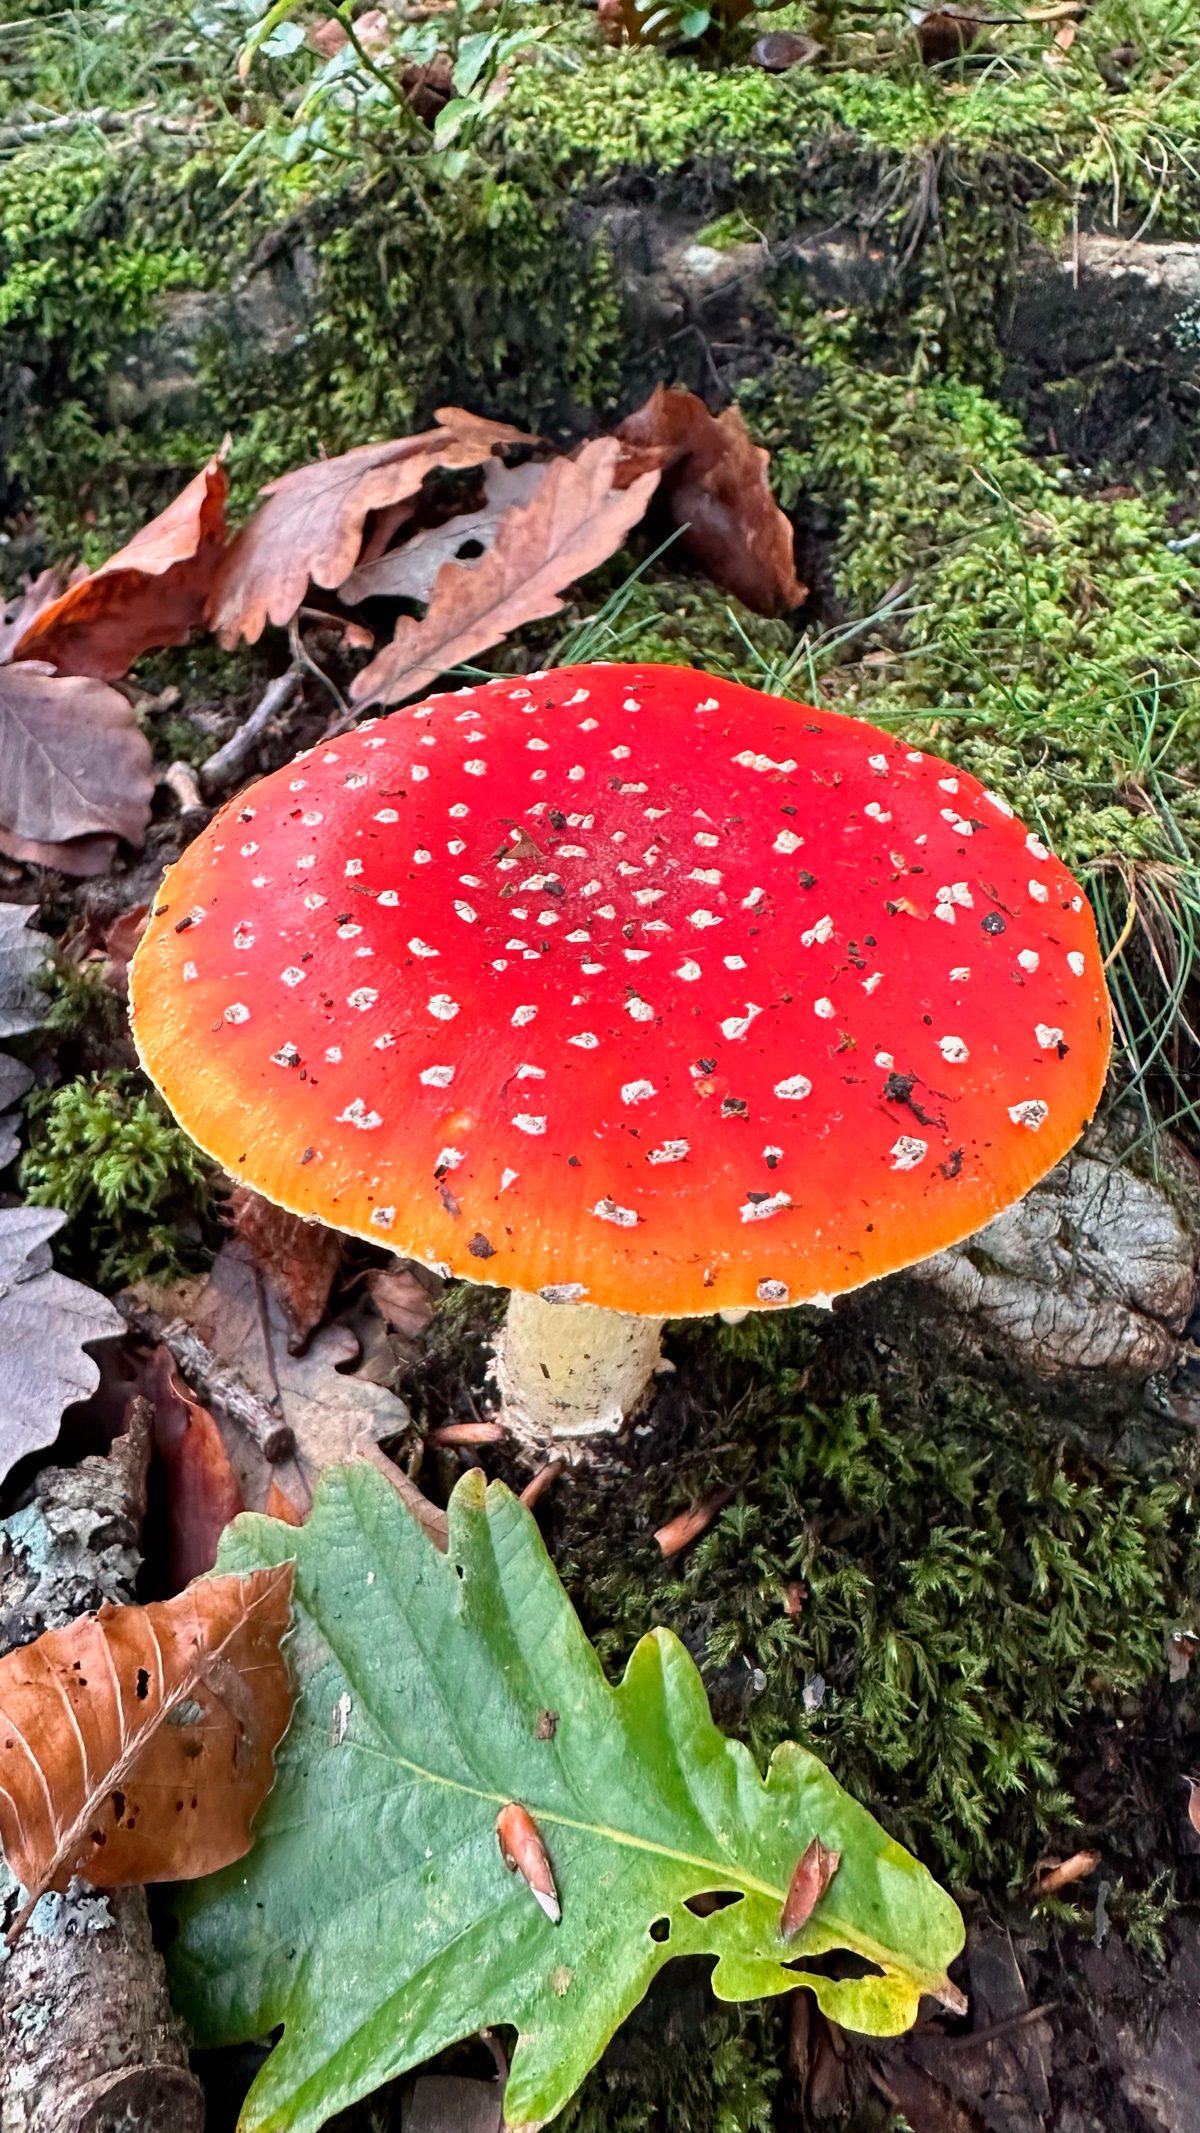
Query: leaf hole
[[840, 1964], [711, 1900], [142, 1689], [661, 1929]]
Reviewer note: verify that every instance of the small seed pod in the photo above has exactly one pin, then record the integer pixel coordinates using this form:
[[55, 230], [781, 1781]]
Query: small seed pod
[[522, 1851], [815, 1869]]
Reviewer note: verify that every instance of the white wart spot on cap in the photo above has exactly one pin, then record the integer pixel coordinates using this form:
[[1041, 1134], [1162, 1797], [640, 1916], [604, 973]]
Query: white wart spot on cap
[[1031, 1112], [358, 1114], [773, 1292], [526, 1122], [953, 1051], [1075, 962], [237, 1012], [668, 1152], [907, 1152], [794, 1089], [637, 1092], [443, 1007], [437, 1077], [608, 1211], [1047, 1036], [759, 1210]]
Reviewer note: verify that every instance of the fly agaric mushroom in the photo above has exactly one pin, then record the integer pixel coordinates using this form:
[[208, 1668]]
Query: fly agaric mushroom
[[636, 992]]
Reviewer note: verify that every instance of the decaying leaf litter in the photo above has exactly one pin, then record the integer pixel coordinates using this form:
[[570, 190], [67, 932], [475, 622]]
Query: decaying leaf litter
[[374, 1278]]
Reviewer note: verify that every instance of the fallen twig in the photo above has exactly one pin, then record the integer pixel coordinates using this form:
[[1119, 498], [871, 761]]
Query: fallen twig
[[225, 767], [215, 1382]]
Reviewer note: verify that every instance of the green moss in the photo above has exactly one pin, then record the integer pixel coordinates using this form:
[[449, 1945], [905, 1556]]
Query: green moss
[[129, 1181], [922, 1581]]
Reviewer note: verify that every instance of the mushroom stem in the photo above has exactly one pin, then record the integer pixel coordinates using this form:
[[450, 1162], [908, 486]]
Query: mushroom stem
[[570, 1372]]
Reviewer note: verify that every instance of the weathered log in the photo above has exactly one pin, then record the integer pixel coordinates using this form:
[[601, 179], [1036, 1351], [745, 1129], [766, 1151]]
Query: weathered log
[[88, 2042]]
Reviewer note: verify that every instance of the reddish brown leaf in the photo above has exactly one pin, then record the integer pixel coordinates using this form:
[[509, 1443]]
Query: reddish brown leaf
[[151, 593], [310, 528], [299, 1258], [643, 21], [716, 484], [137, 1744], [815, 1869], [1193, 1807], [576, 519], [523, 1852], [1052, 1874], [120, 940], [202, 1492], [77, 771]]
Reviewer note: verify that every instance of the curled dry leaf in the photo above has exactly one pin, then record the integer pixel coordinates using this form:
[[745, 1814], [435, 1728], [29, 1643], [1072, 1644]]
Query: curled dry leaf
[[716, 484], [403, 1298], [300, 1259], [1193, 1806], [410, 572], [815, 1869], [137, 1744], [15, 618], [202, 1492], [77, 771], [1053, 1874], [310, 528], [575, 520], [152, 592], [687, 1526], [523, 1852]]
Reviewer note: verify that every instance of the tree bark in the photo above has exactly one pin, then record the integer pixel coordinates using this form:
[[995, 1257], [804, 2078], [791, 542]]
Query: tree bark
[[88, 2042]]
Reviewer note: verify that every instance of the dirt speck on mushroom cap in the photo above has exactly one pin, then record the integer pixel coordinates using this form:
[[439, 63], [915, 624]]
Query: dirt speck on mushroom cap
[[679, 995]]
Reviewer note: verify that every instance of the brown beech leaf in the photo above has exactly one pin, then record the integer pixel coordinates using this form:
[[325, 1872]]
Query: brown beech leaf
[[575, 520], [410, 571], [813, 1873], [137, 1744], [299, 1258], [150, 593], [1193, 1805], [202, 1492], [310, 528], [76, 770], [715, 482]]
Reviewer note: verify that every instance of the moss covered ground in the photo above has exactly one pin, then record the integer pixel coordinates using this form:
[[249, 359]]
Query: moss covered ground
[[947, 1585]]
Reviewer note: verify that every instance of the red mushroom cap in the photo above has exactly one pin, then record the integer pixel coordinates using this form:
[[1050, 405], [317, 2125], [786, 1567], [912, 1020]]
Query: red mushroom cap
[[629, 985]]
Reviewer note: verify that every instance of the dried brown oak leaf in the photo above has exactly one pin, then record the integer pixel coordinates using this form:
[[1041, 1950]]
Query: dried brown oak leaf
[[299, 1258], [716, 484], [310, 528], [137, 1744], [45, 1321], [76, 771], [151, 593], [575, 520], [333, 1416]]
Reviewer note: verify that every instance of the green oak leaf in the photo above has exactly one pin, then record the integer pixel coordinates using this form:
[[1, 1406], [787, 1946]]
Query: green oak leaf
[[375, 1918]]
